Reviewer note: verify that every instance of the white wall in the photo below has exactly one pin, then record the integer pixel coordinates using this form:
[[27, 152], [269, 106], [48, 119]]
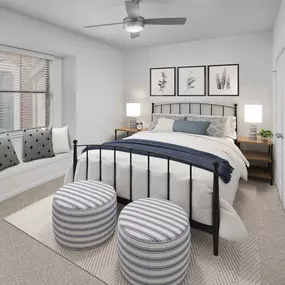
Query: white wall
[[103, 73], [69, 116], [278, 44], [99, 103], [57, 90], [253, 52], [279, 33], [278, 47]]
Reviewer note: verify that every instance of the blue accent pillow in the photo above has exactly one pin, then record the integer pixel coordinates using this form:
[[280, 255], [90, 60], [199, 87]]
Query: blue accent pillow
[[191, 127]]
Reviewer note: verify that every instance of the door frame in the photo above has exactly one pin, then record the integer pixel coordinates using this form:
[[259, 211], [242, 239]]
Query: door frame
[[282, 182]]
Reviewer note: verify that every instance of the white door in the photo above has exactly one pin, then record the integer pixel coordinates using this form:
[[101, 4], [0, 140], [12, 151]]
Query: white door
[[279, 142]]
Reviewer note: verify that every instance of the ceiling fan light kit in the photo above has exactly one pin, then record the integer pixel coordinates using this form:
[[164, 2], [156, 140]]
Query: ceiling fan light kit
[[135, 23]]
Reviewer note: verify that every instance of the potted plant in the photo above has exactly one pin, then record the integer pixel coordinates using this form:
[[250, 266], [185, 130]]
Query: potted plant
[[265, 134]]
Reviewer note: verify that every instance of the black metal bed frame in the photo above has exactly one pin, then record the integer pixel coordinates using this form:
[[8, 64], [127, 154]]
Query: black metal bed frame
[[214, 228]]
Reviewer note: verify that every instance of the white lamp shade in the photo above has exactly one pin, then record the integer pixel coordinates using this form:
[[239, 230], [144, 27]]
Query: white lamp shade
[[133, 109], [253, 114]]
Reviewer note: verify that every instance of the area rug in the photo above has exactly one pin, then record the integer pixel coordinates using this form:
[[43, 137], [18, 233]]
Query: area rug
[[237, 263]]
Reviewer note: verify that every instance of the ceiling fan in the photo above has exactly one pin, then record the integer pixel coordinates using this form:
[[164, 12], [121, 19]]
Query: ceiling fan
[[134, 23]]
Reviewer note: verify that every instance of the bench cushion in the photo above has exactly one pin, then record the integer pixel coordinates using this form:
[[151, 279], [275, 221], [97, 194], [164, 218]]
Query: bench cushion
[[24, 176]]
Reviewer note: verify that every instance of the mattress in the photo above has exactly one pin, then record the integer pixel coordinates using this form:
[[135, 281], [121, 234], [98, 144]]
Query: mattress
[[231, 226]]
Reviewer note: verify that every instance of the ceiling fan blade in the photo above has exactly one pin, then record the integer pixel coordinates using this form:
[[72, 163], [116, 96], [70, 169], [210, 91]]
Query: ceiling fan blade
[[133, 8], [166, 21], [135, 35], [103, 25]]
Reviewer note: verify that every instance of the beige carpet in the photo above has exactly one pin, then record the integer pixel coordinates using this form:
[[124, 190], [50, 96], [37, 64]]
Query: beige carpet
[[238, 263]]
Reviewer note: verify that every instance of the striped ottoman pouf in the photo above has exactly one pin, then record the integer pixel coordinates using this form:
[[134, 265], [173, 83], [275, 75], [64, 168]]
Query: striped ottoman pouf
[[153, 242], [84, 214]]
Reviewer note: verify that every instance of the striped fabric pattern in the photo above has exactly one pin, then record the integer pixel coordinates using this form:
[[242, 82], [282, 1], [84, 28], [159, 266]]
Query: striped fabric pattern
[[237, 264], [153, 242], [84, 214]]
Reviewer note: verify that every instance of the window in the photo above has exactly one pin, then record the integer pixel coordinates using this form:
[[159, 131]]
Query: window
[[25, 91]]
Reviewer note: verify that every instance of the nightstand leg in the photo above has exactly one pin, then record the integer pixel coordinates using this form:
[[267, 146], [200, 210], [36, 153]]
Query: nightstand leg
[[271, 152]]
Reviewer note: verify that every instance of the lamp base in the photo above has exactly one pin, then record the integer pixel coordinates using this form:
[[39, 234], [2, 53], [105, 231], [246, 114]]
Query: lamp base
[[133, 123], [252, 132]]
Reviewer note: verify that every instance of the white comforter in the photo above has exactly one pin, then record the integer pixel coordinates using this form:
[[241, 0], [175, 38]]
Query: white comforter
[[231, 226]]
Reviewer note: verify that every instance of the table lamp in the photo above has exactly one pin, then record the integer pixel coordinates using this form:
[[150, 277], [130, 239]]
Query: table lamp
[[253, 115], [133, 111]]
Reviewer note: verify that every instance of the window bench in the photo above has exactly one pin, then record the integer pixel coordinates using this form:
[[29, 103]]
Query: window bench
[[27, 175]]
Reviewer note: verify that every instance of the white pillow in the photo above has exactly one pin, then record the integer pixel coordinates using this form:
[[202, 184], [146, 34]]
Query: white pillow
[[229, 139], [164, 126], [60, 140], [230, 128]]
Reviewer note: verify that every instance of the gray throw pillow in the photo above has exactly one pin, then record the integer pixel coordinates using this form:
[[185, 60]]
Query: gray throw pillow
[[190, 127], [37, 144], [8, 156]]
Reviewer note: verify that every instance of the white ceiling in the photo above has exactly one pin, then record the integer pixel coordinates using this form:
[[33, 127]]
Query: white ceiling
[[206, 18]]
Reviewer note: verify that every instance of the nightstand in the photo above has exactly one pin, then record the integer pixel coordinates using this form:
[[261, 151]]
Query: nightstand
[[127, 130], [264, 160]]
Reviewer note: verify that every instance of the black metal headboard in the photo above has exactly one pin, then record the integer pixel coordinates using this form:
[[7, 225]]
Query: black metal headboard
[[180, 108]]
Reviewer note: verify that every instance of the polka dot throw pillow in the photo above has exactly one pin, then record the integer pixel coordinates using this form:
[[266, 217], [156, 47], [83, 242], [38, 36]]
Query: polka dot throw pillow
[[8, 156], [37, 144]]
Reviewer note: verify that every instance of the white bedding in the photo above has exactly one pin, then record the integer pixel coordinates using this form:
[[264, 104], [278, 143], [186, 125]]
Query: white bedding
[[231, 226]]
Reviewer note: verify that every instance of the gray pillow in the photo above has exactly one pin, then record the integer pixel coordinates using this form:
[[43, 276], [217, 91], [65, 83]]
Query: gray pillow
[[157, 116], [191, 127], [37, 144], [8, 156], [217, 125]]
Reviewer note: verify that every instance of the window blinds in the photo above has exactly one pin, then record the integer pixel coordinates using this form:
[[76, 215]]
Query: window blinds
[[25, 91]]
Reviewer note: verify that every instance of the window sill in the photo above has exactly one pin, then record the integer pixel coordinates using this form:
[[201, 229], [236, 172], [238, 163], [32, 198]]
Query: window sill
[[19, 134], [15, 135]]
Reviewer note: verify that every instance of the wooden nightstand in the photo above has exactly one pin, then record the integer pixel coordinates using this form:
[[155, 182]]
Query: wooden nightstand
[[127, 130], [265, 158]]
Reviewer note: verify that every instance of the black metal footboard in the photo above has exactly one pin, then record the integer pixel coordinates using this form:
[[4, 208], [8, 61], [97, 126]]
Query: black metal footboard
[[213, 229]]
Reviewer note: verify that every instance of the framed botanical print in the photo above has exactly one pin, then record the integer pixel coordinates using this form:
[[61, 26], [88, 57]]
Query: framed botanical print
[[162, 81], [223, 80], [191, 81]]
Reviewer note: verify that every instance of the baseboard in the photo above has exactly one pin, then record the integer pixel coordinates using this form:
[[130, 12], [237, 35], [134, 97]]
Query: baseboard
[[33, 185]]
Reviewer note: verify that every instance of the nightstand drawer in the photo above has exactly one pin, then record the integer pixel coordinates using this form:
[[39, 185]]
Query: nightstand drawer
[[258, 156]]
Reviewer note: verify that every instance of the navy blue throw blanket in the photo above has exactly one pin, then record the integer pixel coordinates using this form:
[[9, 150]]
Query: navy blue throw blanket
[[178, 153]]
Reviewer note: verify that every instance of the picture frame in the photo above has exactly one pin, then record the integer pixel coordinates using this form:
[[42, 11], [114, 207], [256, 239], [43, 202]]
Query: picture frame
[[191, 80], [223, 80], [163, 81]]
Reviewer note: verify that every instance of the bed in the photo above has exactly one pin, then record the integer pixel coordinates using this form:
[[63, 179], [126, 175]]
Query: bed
[[205, 197]]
